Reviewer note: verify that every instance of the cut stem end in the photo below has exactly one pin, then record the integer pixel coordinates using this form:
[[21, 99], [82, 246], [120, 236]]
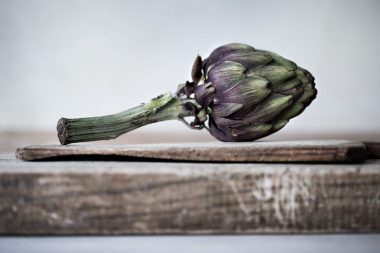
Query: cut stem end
[[62, 131]]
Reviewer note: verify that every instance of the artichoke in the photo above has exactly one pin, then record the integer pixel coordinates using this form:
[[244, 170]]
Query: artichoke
[[248, 93], [243, 93]]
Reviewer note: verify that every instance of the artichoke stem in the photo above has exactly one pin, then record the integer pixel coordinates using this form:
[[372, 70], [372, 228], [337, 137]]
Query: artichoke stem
[[163, 107]]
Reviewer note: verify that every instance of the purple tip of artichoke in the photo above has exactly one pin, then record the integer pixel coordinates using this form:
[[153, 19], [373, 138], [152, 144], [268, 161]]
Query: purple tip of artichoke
[[248, 93]]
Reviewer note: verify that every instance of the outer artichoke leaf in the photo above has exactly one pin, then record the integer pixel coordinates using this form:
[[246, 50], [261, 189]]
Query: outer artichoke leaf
[[281, 61], [251, 132], [225, 74], [218, 131], [275, 74], [308, 75], [278, 125], [204, 94], [229, 122], [238, 46], [269, 109], [226, 109], [290, 84], [196, 70], [293, 111], [304, 76], [248, 58], [218, 53], [308, 95], [295, 92], [249, 91]]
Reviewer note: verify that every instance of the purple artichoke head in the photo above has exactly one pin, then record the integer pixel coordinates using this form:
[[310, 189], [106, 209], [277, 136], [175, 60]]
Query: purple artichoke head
[[245, 93]]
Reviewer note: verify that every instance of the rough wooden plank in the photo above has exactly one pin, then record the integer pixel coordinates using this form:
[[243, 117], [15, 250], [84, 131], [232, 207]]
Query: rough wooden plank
[[373, 149], [274, 151], [84, 197]]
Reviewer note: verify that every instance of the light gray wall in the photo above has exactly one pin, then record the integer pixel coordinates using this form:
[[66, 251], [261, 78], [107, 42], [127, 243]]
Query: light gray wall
[[85, 58]]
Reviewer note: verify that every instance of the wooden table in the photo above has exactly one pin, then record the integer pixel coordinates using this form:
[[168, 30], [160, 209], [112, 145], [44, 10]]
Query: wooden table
[[86, 197]]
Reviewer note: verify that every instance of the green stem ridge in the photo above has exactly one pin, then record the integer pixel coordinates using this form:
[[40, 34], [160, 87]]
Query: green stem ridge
[[163, 107]]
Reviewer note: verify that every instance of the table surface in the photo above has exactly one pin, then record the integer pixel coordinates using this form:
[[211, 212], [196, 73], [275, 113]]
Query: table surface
[[122, 197], [346, 243]]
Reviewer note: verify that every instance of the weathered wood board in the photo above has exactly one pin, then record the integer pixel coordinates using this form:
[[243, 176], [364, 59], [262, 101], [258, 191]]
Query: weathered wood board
[[109, 197], [273, 151], [373, 149]]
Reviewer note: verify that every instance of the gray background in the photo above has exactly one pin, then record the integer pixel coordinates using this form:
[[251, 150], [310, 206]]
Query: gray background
[[85, 58]]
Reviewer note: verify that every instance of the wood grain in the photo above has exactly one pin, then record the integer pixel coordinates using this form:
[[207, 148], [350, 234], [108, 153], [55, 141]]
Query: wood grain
[[106, 197], [270, 151]]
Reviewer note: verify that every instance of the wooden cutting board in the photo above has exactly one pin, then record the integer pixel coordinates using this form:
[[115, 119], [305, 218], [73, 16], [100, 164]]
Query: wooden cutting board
[[260, 151]]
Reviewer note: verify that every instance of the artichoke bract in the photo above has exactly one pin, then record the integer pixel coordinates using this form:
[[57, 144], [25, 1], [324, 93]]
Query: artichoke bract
[[238, 93]]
